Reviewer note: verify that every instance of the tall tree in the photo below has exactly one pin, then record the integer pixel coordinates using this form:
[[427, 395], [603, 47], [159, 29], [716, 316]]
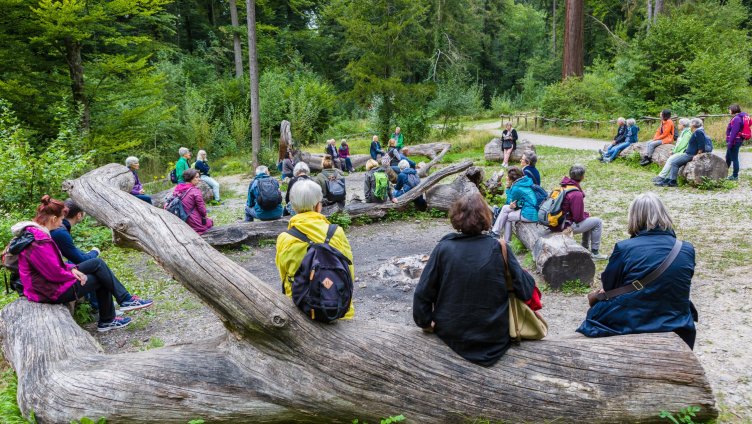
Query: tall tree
[[574, 37], [250, 6], [236, 39]]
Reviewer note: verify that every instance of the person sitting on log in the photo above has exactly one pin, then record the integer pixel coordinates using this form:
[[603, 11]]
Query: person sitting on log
[[621, 131], [193, 201], [306, 198], [376, 151], [630, 137], [62, 238], [300, 172], [576, 220], [376, 185], [182, 164], [685, 133], [695, 147], [288, 166], [407, 180], [202, 166], [640, 294], [461, 295], [331, 150], [398, 138], [332, 182], [508, 142], [520, 205], [138, 189], [47, 279], [264, 199], [344, 153], [528, 161], [663, 135]]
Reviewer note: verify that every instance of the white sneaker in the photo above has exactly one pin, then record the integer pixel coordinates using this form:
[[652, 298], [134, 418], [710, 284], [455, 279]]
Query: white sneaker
[[598, 256]]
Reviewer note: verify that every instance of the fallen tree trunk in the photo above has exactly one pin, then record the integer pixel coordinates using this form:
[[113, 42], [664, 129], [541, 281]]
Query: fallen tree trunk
[[279, 366], [160, 198], [245, 232], [433, 151], [558, 258], [660, 154], [442, 196], [313, 160], [492, 151]]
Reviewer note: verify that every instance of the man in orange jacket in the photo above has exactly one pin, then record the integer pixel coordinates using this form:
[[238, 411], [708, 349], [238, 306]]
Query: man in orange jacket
[[663, 135]]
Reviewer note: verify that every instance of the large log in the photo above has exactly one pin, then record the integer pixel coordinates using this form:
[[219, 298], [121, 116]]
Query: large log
[[276, 365], [492, 151], [159, 199], [559, 258], [442, 196], [433, 151], [704, 167], [245, 232], [313, 160]]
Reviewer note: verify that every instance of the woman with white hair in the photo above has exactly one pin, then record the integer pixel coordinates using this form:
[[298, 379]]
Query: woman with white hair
[[508, 142], [406, 180], [695, 146], [331, 150], [630, 137], [202, 166], [138, 189], [182, 164], [306, 198], [301, 171], [646, 284], [681, 146]]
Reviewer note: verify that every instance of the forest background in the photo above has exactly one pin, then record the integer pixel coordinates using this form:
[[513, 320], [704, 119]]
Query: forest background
[[86, 82]]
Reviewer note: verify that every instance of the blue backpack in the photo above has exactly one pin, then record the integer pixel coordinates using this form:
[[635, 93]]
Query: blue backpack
[[322, 287], [540, 195], [174, 205]]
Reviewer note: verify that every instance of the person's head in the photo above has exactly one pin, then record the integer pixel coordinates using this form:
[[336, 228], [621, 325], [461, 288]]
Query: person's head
[[665, 114], [647, 212], [301, 168], [392, 142], [371, 164], [74, 214], [695, 123], [184, 152], [514, 173], [191, 176], [306, 196], [331, 141], [734, 109], [470, 214], [201, 155], [631, 122], [529, 158], [343, 143], [577, 172], [326, 162], [50, 212], [403, 164], [397, 130], [683, 123], [261, 170], [508, 125], [132, 163], [620, 121], [375, 138]]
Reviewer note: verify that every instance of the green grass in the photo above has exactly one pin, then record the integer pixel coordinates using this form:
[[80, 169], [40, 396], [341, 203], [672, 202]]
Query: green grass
[[9, 411]]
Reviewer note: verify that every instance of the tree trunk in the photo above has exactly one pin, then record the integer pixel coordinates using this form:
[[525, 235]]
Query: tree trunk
[[433, 151], [253, 71], [657, 10], [236, 39], [650, 13], [553, 28], [276, 365], [442, 196], [574, 36], [245, 232], [558, 258], [76, 71], [285, 139]]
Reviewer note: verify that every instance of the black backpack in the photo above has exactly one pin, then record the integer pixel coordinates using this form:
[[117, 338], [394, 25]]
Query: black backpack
[[174, 176], [174, 205], [10, 261], [269, 196], [322, 287], [335, 189]]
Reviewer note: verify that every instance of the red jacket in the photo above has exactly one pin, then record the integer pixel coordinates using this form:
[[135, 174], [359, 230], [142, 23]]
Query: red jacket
[[573, 205]]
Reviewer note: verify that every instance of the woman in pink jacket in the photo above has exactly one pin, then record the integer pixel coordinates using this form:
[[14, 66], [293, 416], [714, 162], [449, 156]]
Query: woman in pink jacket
[[193, 201], [47, 279]]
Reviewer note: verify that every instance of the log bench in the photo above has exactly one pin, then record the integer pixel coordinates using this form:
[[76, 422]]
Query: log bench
[[707, 166], [492, 151]]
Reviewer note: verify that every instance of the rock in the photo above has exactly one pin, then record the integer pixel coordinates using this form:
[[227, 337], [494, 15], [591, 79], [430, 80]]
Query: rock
[[706, 166], [362, 286], [492, 151]]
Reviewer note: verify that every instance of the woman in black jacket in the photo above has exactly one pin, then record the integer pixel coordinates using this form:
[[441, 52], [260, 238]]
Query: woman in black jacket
[[462, 293], [508, 142]]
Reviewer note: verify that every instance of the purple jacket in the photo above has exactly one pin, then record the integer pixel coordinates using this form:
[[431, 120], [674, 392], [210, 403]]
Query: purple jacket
[[734, 129], [138, 186], [44, 275], [194, 205], [344, 152]]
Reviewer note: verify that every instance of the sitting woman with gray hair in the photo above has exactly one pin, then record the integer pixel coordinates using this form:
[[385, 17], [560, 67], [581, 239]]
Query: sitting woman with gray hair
[[301, 171], [681, 146], [646, 284], [202, 166], [138, 189], [695, 147]]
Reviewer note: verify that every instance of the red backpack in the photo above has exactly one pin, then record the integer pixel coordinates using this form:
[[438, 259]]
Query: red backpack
[[746, 132]]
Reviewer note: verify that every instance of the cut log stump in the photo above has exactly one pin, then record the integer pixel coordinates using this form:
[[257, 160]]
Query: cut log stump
[[660, 154], [559, 258], [493, 153]]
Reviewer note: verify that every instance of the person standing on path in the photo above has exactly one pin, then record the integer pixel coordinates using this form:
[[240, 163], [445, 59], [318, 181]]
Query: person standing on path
[[734, 138], [663, 135], [397, 136]]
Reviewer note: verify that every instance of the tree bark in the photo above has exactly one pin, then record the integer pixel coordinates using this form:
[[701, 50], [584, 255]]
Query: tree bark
[[492, 151], [657, 10], [442, 196], [254, 74], [285, 139], [238, 50], [650, 13], [245, 232], [574, 36], [433, 151], [313, 160], [558, 258], [76, 71]]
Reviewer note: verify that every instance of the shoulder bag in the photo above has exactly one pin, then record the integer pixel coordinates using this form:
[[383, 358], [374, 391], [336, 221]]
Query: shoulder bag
[[524, 323]]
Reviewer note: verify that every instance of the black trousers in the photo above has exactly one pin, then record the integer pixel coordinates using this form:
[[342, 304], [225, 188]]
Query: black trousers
[[99, 280]]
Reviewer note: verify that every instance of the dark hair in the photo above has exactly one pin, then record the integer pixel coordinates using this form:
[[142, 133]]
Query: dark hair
[[49, 208], [73, 208], [735, 108], [470, 214], [515, 173], [189, 174], [666, 114], [577, 172], [530, 157]]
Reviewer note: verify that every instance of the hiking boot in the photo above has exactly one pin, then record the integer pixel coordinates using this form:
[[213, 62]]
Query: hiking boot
[[118, 322], [135, 303], [645, 161], [732, 178], [667, 183], [657, 179], [598, 256]]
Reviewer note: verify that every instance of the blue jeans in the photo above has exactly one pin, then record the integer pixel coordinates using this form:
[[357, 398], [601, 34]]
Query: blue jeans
[[348, 165], [144, 197], [678, 163], [732, 157], [614, 151]]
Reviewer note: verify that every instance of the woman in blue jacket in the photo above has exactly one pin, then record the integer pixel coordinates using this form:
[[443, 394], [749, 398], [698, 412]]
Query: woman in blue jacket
[[520, 205], [202, 166], [629, 139], [657, 307]]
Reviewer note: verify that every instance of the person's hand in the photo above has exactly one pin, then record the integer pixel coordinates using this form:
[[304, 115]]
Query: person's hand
[[513, 205], [80, 276], [593, 297], [394, 200], [142, 191]]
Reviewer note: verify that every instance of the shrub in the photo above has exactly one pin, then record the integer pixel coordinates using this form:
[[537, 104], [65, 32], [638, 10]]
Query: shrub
[[592, 96]]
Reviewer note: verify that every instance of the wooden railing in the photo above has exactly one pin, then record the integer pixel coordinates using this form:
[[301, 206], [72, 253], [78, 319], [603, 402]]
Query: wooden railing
[[540, 121]]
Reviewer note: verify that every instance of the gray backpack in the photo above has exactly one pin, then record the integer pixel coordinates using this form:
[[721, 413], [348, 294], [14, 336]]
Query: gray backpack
[[174, 205]]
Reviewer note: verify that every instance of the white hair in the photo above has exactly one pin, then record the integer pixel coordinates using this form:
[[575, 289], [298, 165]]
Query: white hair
[[631, 122], [305, 195], [620, 119], [301, 168], [131, 160], [647, 212], [201, 155], [696, 123], [183, 150], [374, 138], [261, 169], [684, 122], [403, 164]]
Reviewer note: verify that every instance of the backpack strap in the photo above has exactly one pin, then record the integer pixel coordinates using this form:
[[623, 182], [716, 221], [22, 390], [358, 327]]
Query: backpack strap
[[299, 235], [330, 232]]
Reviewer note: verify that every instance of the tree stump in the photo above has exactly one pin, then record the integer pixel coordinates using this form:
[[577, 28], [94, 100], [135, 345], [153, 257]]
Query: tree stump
[[497, 183], [159, 199], [492, 151], [558, 258], [706, 166]]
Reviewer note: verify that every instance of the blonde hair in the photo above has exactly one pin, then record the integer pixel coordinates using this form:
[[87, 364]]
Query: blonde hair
[[647, 212], [370, 165], [201, 155], [392, 142]]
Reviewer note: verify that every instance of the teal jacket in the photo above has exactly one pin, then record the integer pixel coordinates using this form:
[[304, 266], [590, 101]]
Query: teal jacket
[[399, 139], [180, 167], [522, 191]]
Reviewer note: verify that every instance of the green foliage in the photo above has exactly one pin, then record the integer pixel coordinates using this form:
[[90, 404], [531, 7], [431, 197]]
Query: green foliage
[[575, 287], [455, 97], [684, 416], [709, 184], [593, 95], [389, 420], [341, 218], [86, 420], [83, 313], [9, 411]]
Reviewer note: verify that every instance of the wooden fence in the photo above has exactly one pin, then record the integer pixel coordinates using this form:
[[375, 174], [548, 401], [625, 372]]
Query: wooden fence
[[540, 121]]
